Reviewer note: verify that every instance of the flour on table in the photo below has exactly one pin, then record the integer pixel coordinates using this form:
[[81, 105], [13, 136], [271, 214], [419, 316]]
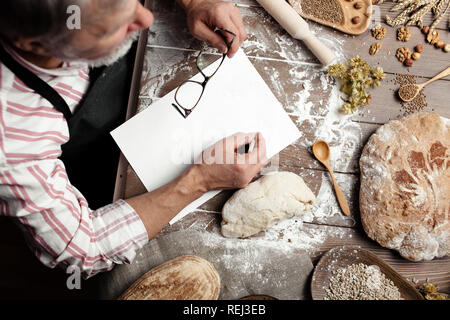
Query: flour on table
[[321, 115]]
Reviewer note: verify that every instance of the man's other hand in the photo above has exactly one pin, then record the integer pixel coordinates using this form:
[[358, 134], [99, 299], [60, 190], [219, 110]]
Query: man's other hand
[[203, 16]]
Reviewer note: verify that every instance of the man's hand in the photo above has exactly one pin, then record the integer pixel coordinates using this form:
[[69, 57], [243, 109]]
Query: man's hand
[[220, 167], [203, 16], [223, 167]]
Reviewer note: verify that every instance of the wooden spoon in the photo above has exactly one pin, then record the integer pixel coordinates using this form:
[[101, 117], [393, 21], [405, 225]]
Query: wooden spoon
[[409, 91], [343, 256], [321, 151]]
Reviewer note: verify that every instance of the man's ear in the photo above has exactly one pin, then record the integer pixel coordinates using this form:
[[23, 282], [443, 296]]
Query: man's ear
[[31, 45]]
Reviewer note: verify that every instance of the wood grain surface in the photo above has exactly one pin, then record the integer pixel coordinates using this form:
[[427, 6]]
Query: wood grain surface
[[286, 65]]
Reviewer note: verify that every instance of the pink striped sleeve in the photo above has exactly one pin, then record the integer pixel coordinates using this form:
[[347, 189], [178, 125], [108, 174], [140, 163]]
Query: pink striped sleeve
[[64, 231]]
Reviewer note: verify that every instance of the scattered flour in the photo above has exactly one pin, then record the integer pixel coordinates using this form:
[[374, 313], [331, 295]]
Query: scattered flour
[[287, 236], [315, 107]]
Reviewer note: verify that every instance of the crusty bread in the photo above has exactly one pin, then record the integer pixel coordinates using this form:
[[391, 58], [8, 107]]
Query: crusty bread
[[405, 186], [183, 278]]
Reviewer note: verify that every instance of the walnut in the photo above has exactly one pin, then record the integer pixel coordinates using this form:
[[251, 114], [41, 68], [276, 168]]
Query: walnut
[[374, 48], [379, 32], [433, 37], [403, 34], [403, 54]]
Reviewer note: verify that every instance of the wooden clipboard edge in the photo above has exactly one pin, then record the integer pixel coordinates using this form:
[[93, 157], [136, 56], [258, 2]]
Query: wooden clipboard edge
[[121, 178]]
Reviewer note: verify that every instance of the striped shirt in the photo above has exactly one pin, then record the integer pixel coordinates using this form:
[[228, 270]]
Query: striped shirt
[[34, 187]]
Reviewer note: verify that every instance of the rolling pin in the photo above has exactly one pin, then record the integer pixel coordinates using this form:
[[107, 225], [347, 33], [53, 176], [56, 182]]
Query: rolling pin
[[294, 24]]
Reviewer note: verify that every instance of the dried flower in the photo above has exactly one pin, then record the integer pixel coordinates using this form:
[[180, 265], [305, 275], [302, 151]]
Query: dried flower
[[430, 292], [356, 76]]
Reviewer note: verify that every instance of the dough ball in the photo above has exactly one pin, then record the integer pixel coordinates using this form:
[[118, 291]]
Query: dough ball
[[265, 202]]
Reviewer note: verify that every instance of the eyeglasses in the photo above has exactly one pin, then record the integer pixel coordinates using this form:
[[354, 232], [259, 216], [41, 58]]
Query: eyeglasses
[[190, 92]]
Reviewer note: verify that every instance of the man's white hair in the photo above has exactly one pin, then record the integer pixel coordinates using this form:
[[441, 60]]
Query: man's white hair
[[46, 20]]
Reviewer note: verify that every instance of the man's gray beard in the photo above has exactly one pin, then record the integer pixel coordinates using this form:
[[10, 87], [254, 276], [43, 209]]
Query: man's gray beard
[[113, 57]]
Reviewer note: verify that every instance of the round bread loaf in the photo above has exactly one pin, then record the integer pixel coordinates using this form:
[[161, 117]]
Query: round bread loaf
[[405, 186], [183, 278]]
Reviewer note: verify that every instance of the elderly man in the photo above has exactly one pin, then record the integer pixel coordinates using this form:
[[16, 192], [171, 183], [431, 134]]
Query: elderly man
[[56, 111]]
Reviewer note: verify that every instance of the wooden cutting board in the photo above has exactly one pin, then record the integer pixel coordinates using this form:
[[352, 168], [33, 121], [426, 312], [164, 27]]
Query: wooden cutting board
[[352, 11]]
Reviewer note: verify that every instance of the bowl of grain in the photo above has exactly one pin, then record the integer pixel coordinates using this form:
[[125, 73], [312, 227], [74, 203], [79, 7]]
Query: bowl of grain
[[351, 273]]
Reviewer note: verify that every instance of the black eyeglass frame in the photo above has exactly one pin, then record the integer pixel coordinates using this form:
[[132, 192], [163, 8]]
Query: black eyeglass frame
[[185, 112]]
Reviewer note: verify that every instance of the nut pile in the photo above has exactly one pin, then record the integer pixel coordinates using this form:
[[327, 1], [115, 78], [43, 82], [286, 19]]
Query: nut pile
[[433, 37], [361, 282], [404, 54], [378, 32]]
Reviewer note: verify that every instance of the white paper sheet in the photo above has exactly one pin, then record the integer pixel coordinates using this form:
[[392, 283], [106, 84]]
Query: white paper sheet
[[160, 144]]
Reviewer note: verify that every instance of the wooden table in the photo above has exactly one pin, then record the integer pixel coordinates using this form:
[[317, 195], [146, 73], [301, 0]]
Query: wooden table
[[309, 97]]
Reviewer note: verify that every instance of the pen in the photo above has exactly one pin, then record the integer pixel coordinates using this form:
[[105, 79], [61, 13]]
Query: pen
[[247, 148]]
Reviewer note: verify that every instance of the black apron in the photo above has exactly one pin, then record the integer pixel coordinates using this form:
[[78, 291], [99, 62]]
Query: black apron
[[90, 156]]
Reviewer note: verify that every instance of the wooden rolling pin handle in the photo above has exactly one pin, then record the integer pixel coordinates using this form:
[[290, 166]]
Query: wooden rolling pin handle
[[294, 24], [325, 55]]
